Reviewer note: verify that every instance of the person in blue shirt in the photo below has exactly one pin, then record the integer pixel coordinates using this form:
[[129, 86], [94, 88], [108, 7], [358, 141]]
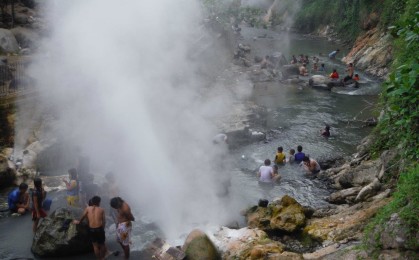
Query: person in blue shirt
[[300, 155], [333, 54], [18, 199]]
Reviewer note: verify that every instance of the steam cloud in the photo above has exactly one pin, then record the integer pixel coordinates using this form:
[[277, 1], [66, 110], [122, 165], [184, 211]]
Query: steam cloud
[[122, 79]]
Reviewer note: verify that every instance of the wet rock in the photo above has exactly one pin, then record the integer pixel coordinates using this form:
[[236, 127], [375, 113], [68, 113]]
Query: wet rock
[[198, 246], [8, 43], [344, 196], [7, 172], [26, 38], [347, 223], [290, 71], [319, 81], [284, 214], [249, 244], [368, 191], [52, 240], [28, 3]]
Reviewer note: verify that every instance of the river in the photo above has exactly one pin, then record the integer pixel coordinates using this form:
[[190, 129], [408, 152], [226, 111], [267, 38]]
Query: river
[[292, 115]]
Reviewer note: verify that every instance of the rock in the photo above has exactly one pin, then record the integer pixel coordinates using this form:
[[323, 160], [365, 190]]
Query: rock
[[319, 81], [278, 59], [382, 195], [198, 246], [51, 241], [28, 3], [8, 43], [360, 175], [249, 244], [285, 214], [5, 73], [364, 147], [344, 196], [7, 172], [368, 191], [288, 71], [26, 38]]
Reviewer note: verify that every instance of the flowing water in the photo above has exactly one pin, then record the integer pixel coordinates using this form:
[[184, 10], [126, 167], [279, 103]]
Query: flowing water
[[292, 115]]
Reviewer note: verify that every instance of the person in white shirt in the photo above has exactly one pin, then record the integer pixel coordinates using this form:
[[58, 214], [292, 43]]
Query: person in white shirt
[[266, 173]]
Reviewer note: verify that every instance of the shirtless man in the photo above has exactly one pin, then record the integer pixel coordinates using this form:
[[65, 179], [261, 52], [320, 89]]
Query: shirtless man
[[311, 165], [303, 70], [96, 218], [123, 225]]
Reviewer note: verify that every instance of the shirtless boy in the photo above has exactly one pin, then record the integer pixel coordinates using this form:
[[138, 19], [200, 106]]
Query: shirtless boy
[[96, 217], [124, 226]]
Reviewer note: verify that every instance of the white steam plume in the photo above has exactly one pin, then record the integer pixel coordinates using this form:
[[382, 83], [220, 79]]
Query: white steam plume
[[124, 84]]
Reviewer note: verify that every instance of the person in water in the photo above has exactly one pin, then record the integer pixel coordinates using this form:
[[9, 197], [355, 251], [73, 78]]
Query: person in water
[[72, 187], [326, 131], [299, 156], [280, 156], [18, 199], [322, 68], [97, 220], [294, 60], [38, 197], [333, 54], [311, 165], [334, 75], [350, 69], [303, 70], [356, 78], [291, 157], [266, 173], [124, 225], [276, 176]]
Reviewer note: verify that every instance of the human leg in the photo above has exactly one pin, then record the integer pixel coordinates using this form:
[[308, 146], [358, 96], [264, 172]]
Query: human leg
[[126, 250]]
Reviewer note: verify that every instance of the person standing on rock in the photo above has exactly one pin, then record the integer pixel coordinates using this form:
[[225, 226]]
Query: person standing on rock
[[38, 197], [123, 225], [97, 220], [72, 187]]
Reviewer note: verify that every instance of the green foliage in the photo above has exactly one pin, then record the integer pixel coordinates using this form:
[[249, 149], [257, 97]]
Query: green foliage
[[405, 202]]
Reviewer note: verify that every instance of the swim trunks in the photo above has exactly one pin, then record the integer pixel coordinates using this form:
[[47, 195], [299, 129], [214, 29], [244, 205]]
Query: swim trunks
[[123, 233], [97, 235]]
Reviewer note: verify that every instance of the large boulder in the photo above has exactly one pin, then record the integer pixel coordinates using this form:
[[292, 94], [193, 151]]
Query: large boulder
[[26, 38], [52, 239], [319, 81], [290, 71], [360, 175], [284, 214], [252, 244], [7, 172], [199, 247], [8, 43]]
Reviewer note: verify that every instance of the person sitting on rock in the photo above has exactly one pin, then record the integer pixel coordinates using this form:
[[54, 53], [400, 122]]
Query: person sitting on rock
[[334, 75], [303, 70], [280, 156], [265, 173], [18, 199], [72, 187], [326, 131], [299, 156], [311, 165]]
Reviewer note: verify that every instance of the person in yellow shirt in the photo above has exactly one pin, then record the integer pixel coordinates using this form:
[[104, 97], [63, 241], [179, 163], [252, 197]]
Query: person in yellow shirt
[[280, 156], [72, 188]]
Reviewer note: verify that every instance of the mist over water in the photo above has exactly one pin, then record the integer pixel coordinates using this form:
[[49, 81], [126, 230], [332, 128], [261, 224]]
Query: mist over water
[[121, 79]]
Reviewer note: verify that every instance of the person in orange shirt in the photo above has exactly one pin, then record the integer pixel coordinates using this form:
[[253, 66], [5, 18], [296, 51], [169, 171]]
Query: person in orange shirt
[[334, 74]]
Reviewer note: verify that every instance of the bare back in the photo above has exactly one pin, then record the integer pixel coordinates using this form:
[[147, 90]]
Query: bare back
[[96, 216], [124, 213]]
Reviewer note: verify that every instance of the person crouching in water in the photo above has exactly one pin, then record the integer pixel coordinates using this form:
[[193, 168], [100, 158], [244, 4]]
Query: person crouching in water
[[265, 173], [326, 131], [38, 197], [18, 199], [123, 225], [311, 165], [72, 187], [97, 220], [276, 176]]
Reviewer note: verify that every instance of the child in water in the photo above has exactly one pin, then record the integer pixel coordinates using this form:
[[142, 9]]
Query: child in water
[[276, 177], [291, 157], [280, 156]]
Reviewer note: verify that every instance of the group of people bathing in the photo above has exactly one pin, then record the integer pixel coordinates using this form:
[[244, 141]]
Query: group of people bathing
[[304, 61], [268, 174], [19, 202]]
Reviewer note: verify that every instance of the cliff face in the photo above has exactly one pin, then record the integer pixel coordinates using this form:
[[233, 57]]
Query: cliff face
[[372, 52]]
